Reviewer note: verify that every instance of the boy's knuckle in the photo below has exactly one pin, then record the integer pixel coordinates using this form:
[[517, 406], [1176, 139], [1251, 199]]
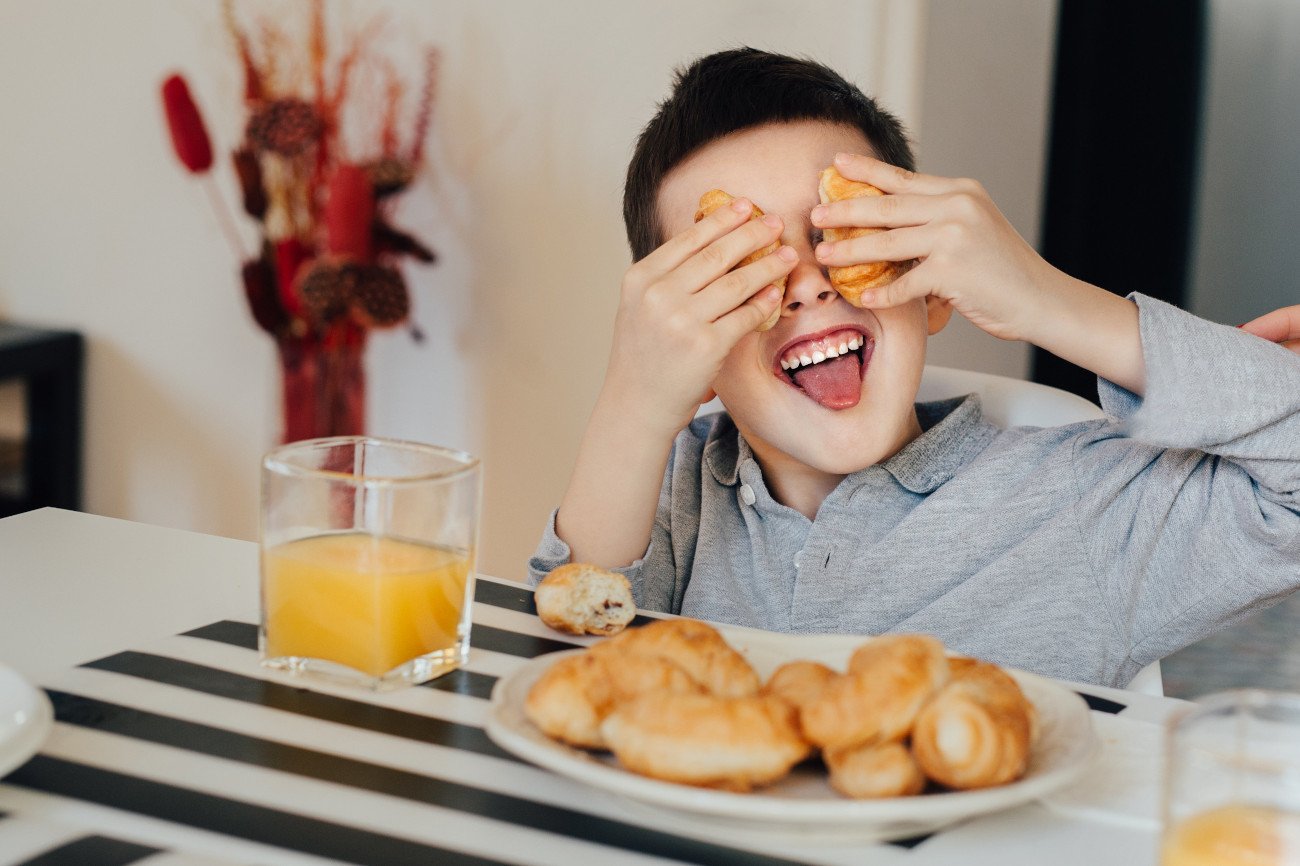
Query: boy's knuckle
[[713, 256], [904, 175]]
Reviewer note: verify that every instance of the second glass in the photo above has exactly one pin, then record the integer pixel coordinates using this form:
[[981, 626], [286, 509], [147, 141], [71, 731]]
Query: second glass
[[368, 551], [1232, 782]]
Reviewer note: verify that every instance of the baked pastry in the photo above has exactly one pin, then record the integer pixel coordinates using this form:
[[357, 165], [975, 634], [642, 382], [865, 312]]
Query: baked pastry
[[694, 739], [889, 679], [977, 731], [853, 280], [716, 198], [799, 683], [585, 599], [696, 647], [879, 770], [571, 699]]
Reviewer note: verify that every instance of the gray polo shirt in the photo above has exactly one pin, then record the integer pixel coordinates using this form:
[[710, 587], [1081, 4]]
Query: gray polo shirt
[[1083, 552]]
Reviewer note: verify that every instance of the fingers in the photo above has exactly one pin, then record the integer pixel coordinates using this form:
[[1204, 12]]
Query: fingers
[[721, 255], [1293, 345], [748, 315], [1279, 326], [914, 284], [892, 179], [735, 288], [888, 211], [682, 246], [891, 245]]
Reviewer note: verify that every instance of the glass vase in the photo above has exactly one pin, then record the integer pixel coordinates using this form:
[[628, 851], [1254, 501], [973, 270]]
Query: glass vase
[[323, 383]]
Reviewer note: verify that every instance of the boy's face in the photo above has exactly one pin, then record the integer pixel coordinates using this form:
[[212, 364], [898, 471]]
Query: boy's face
[[848, 413]]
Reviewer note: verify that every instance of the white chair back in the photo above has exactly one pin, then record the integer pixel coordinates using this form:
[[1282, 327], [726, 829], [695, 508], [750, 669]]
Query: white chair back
[[1014, 403]]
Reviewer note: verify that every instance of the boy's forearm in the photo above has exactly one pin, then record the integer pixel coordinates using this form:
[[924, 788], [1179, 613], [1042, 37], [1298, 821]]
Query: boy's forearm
[[1093, 328], [608, 510]]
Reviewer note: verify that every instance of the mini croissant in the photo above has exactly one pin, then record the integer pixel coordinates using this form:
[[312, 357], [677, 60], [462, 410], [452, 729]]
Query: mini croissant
[[853, 280], [716, 198]]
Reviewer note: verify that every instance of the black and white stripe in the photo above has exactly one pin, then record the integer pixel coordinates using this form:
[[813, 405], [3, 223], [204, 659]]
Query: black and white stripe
[[190, 736]]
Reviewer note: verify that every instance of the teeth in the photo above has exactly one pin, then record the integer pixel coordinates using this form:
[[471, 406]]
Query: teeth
[[823, 352]]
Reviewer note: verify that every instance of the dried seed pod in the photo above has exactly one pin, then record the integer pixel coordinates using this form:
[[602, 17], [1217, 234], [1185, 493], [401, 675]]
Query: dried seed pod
[[284, 126], [389, 175], [326, 289], [379, 296]]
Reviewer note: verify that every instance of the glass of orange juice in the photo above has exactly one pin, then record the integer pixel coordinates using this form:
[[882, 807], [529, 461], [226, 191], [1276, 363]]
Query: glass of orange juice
[[1232, 781], [368, 552]]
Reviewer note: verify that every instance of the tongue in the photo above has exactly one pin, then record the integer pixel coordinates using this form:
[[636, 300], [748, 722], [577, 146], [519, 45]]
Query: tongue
[[835, 384]]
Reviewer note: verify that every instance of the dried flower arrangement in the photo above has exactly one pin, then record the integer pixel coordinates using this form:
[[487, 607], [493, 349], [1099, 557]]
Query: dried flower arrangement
[[326, 270]]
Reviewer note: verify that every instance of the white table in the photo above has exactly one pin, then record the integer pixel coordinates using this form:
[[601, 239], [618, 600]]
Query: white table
[[178, 749]]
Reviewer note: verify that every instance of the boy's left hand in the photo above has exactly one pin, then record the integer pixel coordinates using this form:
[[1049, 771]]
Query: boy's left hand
[[972, 258], [969, 255]]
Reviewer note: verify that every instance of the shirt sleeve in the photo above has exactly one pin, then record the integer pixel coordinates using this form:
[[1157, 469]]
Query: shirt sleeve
[[653, 576], [1188, 495]]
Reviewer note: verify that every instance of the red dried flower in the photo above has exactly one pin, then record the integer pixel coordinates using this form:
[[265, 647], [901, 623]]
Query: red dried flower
[[189, 135], [249, 171], [263, 301], [349, 211]]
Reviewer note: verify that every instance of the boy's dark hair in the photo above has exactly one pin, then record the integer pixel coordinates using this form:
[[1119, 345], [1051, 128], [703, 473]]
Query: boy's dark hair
[[734, 90]]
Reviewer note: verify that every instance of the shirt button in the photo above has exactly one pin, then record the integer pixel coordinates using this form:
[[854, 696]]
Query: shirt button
[[747, 494]]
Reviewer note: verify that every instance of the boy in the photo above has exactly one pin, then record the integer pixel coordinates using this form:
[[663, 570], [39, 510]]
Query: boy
[[824, 499]]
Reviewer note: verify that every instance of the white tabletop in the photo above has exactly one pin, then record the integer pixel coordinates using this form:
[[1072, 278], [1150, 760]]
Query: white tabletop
[[75, 588]]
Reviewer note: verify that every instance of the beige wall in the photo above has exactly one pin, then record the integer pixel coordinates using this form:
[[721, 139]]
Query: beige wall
[[540, 104]]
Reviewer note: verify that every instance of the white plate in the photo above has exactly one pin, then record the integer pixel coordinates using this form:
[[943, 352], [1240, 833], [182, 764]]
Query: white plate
[[803, 804], [25, 720]]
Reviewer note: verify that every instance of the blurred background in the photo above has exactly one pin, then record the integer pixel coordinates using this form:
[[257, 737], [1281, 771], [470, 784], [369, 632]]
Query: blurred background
[[538, 106]]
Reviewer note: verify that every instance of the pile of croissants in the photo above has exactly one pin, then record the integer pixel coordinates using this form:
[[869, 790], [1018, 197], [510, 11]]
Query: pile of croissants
[[674, 701]]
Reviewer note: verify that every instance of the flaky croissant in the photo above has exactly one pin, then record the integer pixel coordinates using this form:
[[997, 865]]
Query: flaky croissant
[[889, 679], [977, 731], [853, 280]]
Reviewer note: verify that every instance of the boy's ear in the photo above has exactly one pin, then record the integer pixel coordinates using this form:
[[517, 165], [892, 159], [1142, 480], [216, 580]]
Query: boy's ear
[[937, 312]]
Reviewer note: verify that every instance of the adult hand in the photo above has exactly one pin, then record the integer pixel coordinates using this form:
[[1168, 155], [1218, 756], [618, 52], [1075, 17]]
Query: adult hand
[[1280, 326]]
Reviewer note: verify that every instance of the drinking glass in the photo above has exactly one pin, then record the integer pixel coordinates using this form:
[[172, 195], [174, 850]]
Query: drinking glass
[[368, 550], [1232, 781]]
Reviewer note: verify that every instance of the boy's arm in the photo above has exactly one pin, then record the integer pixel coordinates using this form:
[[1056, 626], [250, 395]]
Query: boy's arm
[[1189, 503], [681, 310], [973, 259]]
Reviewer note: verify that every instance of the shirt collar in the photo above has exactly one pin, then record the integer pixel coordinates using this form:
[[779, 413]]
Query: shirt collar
[[954, 433]]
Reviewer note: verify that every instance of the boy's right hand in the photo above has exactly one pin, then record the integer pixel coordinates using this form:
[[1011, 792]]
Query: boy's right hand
[[683, 308]]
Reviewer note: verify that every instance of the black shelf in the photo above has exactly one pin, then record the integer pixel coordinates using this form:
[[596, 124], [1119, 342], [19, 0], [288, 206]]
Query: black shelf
[[50, 364]]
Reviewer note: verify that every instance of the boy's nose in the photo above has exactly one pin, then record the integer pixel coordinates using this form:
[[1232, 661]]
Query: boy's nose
[[807, 286]]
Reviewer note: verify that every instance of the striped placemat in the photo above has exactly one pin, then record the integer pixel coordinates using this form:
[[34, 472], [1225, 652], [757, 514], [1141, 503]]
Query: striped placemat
[[186, 750]]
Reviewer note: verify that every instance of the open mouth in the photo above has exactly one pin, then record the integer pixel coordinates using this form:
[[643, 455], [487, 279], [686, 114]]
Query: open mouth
[[827, 366]]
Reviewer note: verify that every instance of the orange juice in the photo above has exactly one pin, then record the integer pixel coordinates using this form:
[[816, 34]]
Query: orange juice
[[368, 602], [1234, 836]]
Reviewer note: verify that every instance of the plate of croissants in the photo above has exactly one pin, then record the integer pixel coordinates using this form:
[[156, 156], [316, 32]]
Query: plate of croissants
[[826, 737]]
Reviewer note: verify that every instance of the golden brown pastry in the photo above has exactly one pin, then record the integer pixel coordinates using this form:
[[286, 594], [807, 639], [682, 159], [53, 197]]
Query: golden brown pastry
[[571, 699], [697, 648], [732, 743], [869, 772], [889, 679], [977, 731], [585, 599], [716, 198], [799, 683], [853, 280]]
